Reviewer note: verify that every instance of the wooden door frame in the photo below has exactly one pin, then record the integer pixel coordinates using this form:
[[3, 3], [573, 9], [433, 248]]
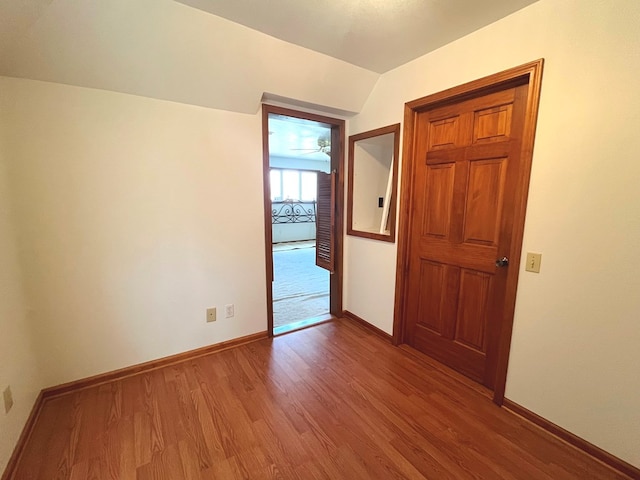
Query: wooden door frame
[[337, 165], [531, 75]]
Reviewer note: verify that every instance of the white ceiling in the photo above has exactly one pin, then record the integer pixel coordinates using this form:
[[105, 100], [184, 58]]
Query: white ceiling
[[378, 35], [323, 54], [166, 50], [16, 16], [296, 138]]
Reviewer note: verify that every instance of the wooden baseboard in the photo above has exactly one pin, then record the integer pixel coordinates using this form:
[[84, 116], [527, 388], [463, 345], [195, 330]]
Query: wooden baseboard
[[589, 448], [363, 323], [9, 470], [102, 378], [148, 366]]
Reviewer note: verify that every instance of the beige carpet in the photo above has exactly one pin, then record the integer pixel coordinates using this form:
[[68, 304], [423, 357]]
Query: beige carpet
[[300, 288]]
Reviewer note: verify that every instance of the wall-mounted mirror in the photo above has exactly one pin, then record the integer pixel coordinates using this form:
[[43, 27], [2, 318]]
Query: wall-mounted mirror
[[371, 193]]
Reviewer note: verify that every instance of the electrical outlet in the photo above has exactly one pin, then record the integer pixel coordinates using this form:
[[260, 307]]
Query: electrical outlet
[[229, 310], [8, 399], [211, 314], [533, 262]]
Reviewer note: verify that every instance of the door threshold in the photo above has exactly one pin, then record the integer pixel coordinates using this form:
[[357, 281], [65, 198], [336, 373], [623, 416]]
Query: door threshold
[[302, 324]]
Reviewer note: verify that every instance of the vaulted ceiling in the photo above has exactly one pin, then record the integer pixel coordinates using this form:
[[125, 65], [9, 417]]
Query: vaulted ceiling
[[378, 35], [230, 54]]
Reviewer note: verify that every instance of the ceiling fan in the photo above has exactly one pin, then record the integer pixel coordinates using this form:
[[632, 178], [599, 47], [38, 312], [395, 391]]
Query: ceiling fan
[[324, 146]]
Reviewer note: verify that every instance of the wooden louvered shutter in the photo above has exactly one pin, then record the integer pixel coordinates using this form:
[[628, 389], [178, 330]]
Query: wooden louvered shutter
[[325, 220]]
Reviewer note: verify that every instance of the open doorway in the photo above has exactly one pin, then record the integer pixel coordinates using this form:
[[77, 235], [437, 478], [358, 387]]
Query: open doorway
[[303, 217]]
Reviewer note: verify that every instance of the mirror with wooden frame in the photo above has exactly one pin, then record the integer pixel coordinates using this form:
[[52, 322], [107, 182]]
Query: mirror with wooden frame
[[372, 183]]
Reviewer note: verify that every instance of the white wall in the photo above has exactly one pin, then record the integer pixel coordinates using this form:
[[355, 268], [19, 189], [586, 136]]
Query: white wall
[[575, 355], [18, 366], [133, 216]]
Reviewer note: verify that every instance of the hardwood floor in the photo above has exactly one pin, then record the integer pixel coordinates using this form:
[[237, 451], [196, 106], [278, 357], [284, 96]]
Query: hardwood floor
[[329, 402]]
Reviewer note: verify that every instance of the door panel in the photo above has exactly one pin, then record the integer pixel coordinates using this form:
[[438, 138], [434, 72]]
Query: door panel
[[472, 303], [432, 291], [484, 201], [492, 124], [437, 217], [444, 133], [460, 225]]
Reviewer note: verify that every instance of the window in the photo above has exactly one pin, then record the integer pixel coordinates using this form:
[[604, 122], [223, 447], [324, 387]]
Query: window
[[290, 185], [297, 185], [308, 186], [276, 184]]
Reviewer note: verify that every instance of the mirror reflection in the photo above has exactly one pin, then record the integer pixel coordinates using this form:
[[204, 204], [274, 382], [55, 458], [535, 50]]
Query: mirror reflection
[[371, 194]]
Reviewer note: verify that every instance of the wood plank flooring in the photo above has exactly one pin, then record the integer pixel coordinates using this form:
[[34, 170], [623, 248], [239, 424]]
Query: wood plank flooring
[[330, 402]]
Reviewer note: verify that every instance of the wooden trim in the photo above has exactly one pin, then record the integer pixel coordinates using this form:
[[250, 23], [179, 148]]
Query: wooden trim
[[338, 136], [496, 82], [391, 236], [406, 192], [268, 232], [70, 387], [363, 323], [337, 165], [534, 72], [10, 469], [314, 117], [530, 74], [114, 375], [581, 444]]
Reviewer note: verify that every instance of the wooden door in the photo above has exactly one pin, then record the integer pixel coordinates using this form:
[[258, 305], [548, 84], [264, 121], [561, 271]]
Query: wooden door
[[466, 182], [325, 221]]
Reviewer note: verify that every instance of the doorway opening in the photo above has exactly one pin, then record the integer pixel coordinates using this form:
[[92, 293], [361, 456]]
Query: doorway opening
[[303, 211]]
